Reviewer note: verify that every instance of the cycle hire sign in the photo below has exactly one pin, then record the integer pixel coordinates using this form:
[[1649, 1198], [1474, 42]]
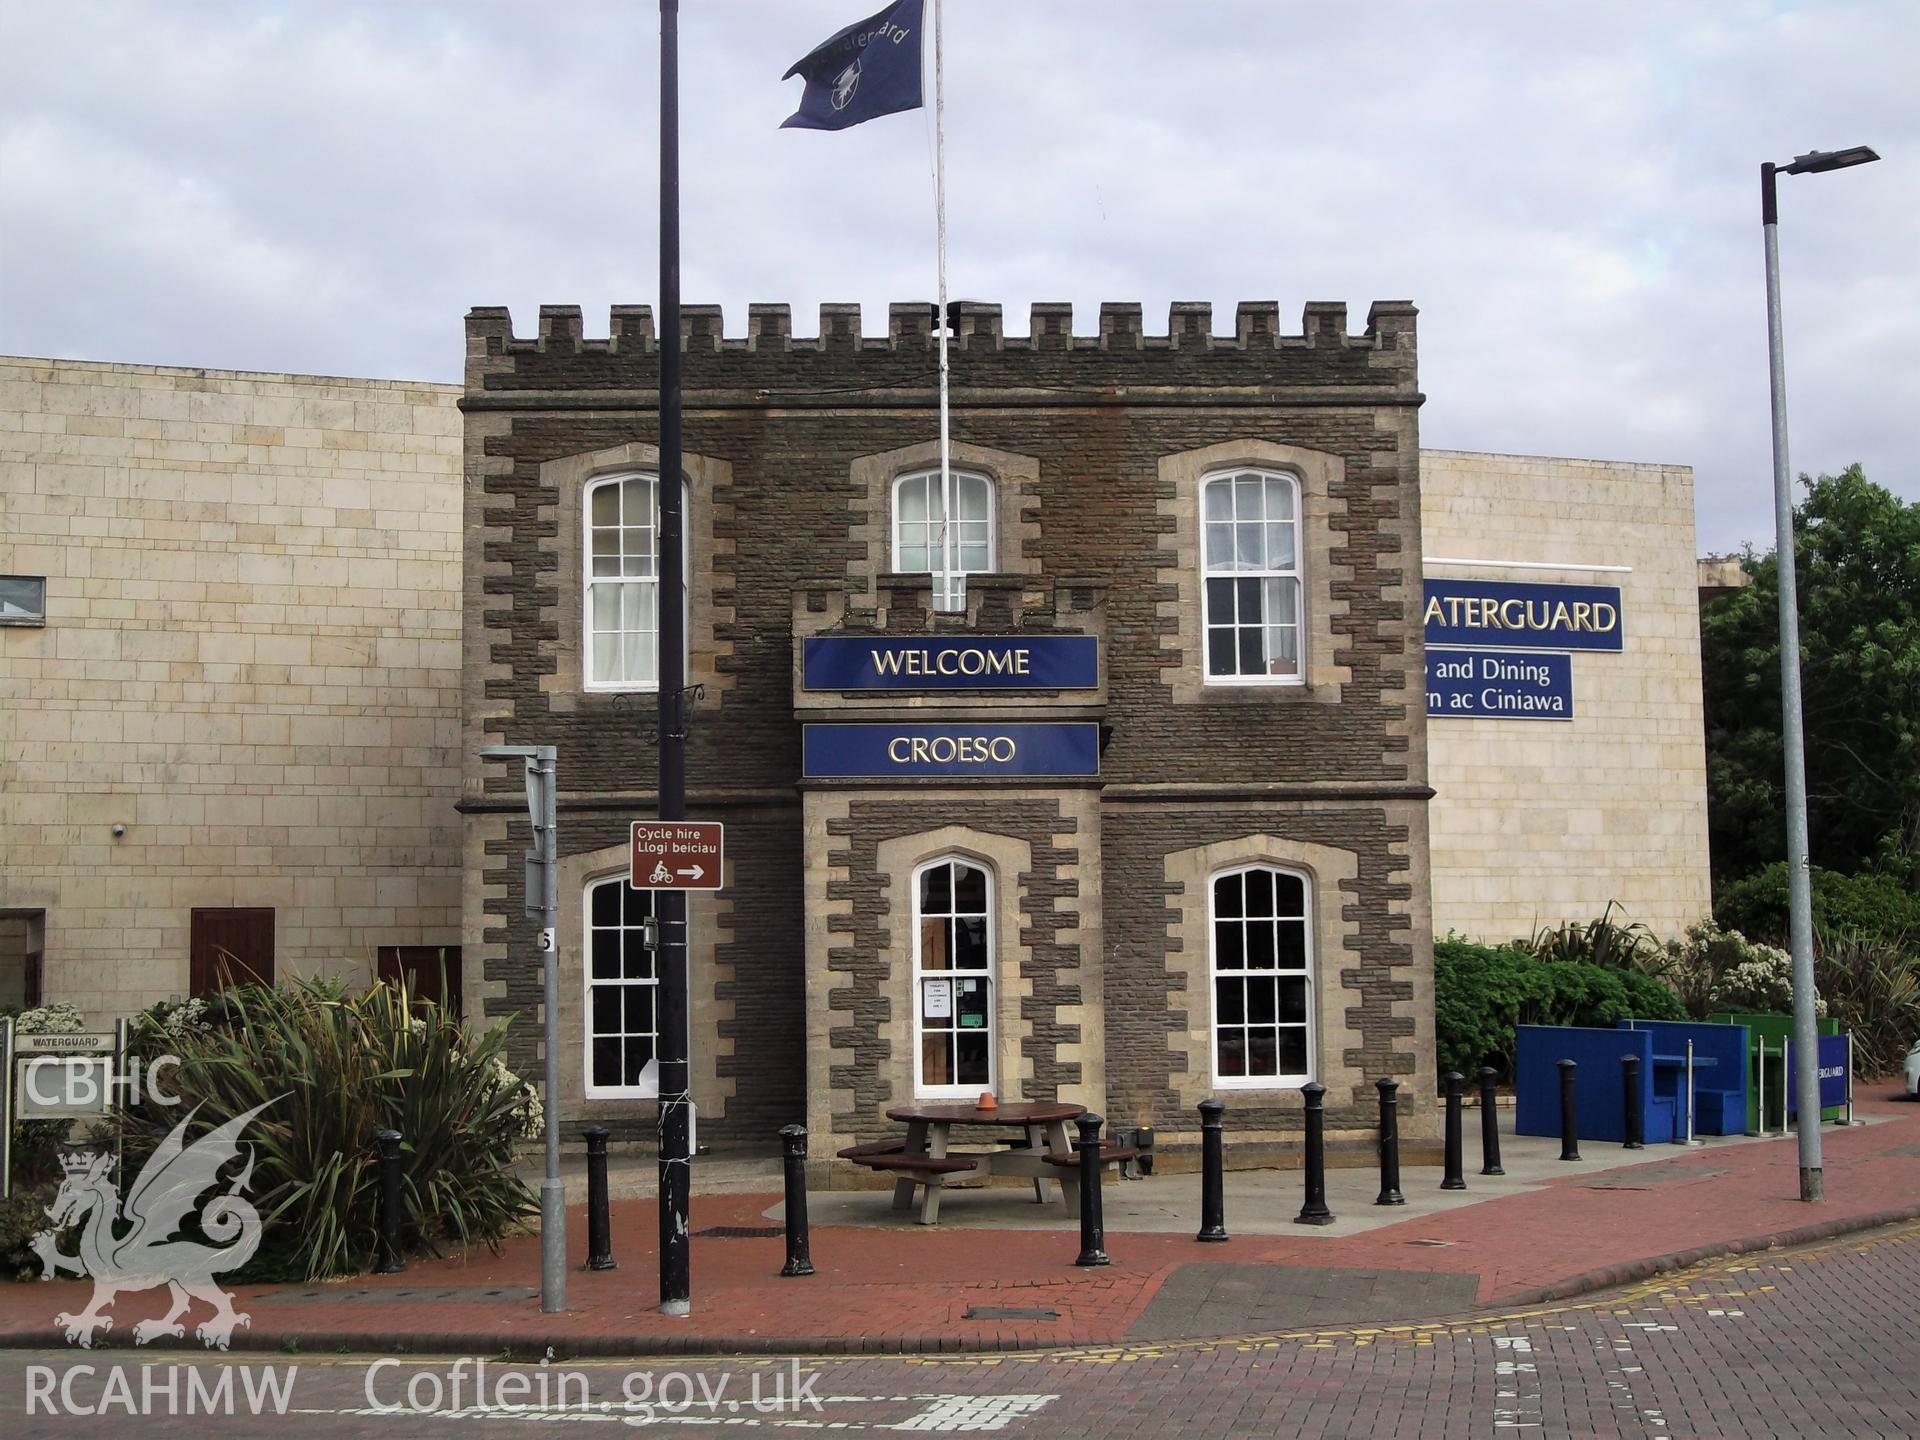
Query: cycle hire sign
[[677, 854]]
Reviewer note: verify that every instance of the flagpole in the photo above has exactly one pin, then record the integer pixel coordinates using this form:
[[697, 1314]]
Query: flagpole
[[940, 231]]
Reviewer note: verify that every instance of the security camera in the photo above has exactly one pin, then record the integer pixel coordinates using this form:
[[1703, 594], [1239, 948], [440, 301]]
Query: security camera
[[118, 831]]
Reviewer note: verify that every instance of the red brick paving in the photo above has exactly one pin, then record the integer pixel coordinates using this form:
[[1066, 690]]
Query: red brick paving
[[884, 1289]]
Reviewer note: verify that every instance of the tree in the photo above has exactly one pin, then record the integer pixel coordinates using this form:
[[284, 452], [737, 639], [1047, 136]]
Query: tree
[[1857, 560]]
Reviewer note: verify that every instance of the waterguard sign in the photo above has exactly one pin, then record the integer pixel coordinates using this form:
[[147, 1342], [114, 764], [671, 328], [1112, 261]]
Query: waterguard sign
[[1496, 685], [951, 662], [1835, 1083], [968, 748], [1516, 615]]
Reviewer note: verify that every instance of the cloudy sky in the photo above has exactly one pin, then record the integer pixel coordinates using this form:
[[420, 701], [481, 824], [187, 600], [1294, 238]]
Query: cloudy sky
[[1567, 191]]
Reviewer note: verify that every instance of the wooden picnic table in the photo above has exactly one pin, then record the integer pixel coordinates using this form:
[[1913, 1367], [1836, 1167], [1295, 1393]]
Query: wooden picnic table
[[1043, 1124]]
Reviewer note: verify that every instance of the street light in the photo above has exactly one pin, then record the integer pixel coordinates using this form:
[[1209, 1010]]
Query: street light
[[1806, 1059]]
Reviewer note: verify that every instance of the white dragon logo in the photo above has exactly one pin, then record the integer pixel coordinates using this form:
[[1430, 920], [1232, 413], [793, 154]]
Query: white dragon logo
[[146, 1256]]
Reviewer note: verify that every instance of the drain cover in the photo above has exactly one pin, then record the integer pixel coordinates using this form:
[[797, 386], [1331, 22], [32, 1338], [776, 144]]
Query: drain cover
[[739, 1232], [1008, 1312]]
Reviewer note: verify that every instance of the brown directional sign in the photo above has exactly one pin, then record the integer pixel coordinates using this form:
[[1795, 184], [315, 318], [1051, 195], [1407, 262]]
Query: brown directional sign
[[677, 854]]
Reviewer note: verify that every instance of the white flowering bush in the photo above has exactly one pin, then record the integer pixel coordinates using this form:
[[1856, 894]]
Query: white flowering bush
[[523, 1101], [56, 1019]]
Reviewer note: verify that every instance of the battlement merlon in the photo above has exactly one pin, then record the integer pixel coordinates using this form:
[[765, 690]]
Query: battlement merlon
[[772, 355]]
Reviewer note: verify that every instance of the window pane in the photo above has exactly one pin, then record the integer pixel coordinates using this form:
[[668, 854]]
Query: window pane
[[969, 890], [1247, 598], [636, 553], [1227, 892], [603, 659], [970, 1059], [1220, 651], [638, 903], [1246, 547], [638, 962], [1247, 497], [1291, 951], [1279, 500], [913, 500], [928, 989], [1219, 547], [1262, 1002], [606, 508], [970, 944], [1293, 1052], [972, 499], [1290, 895], [1279, 547], [970, 1003], [1263, 1052], [936, 890], [637, 656], [606, 1062], [606, 1010], [606, 608], [933, 943], [639, 1009], [973, 559], [1282, 599], [972, 532], [1260, 945], [935, 1050], [1220, 500], [1230, 1001], [634, 1057], [936, 501], [1230, 945], [1259, 885], [1281, 659], [1293, 1000], [1233, 1054], [1220, 602], [1253, 658], [913, 560], [606, 903], [606, 954]]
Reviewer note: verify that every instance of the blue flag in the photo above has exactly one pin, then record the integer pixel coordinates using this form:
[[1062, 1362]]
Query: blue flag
[[867, 70]]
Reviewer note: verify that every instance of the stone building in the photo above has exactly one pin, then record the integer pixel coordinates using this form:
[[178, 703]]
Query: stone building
[[229, 679], [1096, 770]]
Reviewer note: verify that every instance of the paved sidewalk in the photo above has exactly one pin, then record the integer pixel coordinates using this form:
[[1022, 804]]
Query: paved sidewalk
[[982, 1280]]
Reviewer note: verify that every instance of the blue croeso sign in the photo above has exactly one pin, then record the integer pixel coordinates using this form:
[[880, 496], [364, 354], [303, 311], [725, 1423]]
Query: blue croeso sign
[[951, 662], [1515, 615], [975, 748]]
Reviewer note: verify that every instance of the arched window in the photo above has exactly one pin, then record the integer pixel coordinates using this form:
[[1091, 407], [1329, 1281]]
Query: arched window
[[622, 602], [943, 530], [1251, 592], [953, 980], [622, 1029], [1262, 963]]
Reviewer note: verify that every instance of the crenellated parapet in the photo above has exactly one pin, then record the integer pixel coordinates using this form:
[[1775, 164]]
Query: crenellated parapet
[[1117, 346]]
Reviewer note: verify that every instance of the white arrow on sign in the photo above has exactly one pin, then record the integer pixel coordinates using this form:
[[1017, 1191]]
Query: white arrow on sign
[[694, 874]]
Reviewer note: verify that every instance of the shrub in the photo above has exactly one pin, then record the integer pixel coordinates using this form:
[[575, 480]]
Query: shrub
[[336, 1068], [23, 1215], [1871, 985], [1609, 943], [1869, 904], [1482, 992]]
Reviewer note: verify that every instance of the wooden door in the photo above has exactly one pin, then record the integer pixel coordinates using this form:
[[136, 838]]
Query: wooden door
[[421, 967], [231, 947]]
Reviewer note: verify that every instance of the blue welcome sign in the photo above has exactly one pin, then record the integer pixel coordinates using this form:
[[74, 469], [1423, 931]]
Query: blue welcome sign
[[1496, 685], [1518, 615], [950, 662], [971, 748]]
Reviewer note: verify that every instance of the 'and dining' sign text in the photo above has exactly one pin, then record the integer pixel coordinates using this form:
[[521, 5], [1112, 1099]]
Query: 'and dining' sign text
[[951, 662], [1496, 685], [1516, 615]]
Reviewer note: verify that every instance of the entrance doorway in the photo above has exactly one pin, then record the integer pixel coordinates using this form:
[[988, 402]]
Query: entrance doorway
[[231, 947]]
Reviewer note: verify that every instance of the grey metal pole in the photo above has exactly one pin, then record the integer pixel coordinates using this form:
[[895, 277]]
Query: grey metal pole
[[1806, 1058], [553, 1191]]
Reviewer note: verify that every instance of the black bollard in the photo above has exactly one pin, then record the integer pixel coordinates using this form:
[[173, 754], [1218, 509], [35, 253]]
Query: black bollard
[[1213, 1198], [793, 1145], [1453, 1179], [1093, 1228], [1489, 1124], [1315, 1211], [1630, 1088], [599, 1225], [390, 1262], [1389, 1143], [1569, 1116]]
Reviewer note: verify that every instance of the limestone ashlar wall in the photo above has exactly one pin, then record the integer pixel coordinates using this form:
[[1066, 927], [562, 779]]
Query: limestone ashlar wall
[[251, 660], [1536, 822]]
